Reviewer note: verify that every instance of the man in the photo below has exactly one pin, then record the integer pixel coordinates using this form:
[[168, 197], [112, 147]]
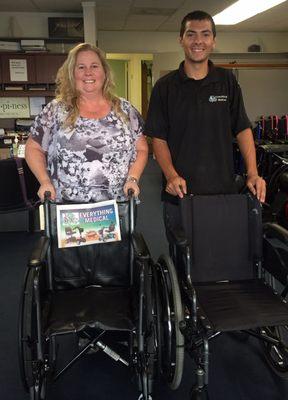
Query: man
[[194, 113]]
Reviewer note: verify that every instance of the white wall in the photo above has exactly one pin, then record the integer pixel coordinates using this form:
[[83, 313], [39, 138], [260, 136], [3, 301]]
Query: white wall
[[36, 25], [265, 91], [28, 25]]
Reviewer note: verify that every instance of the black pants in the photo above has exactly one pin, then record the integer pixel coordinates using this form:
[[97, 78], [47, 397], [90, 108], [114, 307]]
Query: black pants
[[172, 219]]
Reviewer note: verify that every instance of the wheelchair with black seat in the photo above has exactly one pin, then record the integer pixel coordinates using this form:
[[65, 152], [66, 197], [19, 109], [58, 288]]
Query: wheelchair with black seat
[[230, 274], [97, 293]]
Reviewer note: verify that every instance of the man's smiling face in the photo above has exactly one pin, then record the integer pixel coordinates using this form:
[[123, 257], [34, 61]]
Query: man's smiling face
[[197, 41]]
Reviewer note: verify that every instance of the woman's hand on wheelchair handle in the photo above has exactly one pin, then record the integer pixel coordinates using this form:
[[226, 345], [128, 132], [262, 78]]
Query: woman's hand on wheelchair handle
[[46, 187], [131, 189]]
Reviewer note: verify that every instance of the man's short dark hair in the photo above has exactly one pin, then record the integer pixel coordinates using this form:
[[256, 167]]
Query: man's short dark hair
[[197, 16]]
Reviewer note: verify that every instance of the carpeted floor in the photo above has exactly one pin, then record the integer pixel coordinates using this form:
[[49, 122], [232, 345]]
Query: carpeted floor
[[237, 366]]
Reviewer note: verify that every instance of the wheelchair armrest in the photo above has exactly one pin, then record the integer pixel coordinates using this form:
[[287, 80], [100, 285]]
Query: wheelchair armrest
[[39, 252], [179, 237], [273, 230], [140, 246]]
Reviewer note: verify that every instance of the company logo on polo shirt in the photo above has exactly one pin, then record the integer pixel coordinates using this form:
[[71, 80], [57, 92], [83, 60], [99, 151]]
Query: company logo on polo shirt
[[215, 99]]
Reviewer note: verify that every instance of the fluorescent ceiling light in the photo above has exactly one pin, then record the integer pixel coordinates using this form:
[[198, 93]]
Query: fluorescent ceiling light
[[244, 9]]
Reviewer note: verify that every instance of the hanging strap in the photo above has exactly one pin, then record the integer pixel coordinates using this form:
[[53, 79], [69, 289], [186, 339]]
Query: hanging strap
[[20, 170]]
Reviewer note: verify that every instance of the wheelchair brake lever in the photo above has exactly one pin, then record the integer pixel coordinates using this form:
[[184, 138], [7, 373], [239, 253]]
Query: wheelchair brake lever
[[137, 200]]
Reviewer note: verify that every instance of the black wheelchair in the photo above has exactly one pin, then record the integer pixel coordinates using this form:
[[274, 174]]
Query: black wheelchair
[[232, 275], [101, 294], [273, 165]]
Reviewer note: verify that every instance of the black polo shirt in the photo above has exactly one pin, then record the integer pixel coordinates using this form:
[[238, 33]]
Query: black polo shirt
[[198, 119]]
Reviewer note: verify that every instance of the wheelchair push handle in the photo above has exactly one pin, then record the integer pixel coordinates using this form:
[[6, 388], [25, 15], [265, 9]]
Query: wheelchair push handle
[[47, 196], [132, 197]]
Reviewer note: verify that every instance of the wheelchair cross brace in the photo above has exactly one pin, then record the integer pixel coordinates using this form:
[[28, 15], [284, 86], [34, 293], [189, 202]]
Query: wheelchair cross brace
[[91, 345]]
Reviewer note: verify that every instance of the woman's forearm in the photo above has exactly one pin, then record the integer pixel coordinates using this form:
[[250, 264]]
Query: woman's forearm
[[36, 160], [139, 164]]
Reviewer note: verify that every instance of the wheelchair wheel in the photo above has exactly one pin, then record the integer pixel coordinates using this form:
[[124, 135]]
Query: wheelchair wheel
[[33, 370], [277, 354], [156, 312], [171, 340], [148, 363]]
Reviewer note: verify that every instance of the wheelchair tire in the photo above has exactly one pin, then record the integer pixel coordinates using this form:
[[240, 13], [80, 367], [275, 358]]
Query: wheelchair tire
[[32, 370], [277, 355], [147, 370], [171, 338], [156, 312]]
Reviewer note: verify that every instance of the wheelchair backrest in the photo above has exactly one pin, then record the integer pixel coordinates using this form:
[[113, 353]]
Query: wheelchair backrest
[[225, 236], [106, 264]]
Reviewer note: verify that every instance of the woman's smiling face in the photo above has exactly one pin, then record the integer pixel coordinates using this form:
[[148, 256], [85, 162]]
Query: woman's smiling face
[[89, 73]]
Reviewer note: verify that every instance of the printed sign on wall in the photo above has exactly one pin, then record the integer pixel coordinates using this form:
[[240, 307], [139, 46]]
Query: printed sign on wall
[[14, 107], [18, 70]]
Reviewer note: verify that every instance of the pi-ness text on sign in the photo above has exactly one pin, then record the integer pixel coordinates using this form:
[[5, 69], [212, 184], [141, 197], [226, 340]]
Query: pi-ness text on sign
[[14, 107]]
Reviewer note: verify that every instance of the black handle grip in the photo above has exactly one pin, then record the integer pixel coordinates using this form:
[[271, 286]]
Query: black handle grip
[[130, 193], [47, 195]]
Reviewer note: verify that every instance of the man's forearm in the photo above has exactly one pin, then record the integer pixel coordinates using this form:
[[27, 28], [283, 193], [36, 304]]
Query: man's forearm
[[163, 157], [176, 185], [247, 148]]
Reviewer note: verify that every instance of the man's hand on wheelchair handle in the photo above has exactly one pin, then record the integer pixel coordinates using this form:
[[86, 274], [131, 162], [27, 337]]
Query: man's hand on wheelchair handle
[[257, 186], [176, 186]]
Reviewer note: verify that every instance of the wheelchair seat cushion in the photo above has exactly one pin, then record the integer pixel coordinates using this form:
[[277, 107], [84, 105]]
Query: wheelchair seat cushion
[[108, 308], [240, 305]]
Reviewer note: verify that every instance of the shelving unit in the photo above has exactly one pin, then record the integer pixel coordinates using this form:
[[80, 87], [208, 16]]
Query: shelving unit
[[41, 72], [259, 60]]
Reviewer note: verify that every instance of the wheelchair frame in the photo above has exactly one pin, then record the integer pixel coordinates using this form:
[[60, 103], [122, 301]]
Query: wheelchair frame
[[196, 328], [37, 352]]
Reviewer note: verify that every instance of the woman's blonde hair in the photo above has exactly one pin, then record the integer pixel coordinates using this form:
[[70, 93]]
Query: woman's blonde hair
[[67, 93]]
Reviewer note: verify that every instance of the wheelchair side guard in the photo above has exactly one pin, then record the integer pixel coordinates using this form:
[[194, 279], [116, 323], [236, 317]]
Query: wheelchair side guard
[[39, 252], [140, 246], [171, 340]]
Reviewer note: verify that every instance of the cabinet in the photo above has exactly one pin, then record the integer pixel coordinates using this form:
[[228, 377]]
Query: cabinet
[[41, 74], [47, 65]]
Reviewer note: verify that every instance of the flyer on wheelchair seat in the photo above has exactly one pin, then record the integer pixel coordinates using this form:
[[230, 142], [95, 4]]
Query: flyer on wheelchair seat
[[84, 224]]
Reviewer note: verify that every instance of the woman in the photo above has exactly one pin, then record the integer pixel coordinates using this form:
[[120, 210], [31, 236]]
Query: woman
[[87, 144]]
